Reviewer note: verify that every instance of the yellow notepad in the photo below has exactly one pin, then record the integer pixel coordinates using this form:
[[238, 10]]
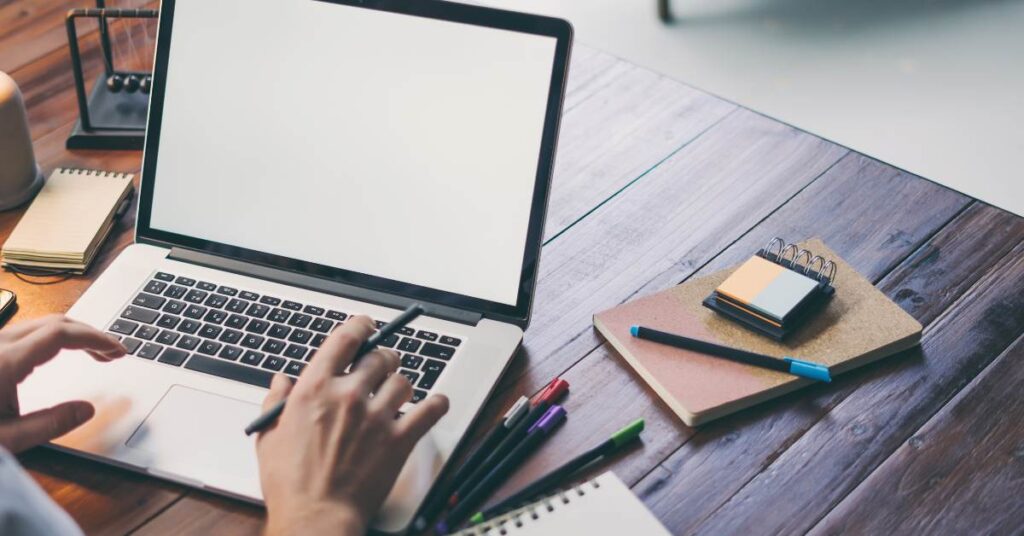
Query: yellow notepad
[[68, 220]]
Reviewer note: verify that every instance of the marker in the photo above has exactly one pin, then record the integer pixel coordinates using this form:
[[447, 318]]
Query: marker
[[540, 431], [400, 321], [797, 367], [512, 417], [555, 478], [541, 404]]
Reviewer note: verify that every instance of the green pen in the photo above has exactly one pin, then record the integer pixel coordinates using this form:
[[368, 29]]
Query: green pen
[[554, 478]]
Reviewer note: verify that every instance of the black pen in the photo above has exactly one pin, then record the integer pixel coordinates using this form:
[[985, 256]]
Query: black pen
[[400, 321]]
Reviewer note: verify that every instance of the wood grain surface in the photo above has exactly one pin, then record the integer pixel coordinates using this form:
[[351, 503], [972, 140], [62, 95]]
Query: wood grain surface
[[656, 182]]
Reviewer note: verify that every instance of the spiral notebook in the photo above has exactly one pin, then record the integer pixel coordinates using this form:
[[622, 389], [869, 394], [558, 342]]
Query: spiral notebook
[[603, 505], [68, 220]]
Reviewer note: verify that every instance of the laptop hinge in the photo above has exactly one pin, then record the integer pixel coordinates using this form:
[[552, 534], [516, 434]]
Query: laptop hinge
[[318, 284]]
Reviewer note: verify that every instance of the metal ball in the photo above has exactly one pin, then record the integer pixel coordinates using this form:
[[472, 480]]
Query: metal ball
[[115, 82], [146, 84], [132, 83]]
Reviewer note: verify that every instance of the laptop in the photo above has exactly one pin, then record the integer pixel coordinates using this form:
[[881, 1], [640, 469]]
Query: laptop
[[307, 161]]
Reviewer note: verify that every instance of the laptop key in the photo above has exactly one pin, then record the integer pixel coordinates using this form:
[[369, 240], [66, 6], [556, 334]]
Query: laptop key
[[195, 311], [409, 345], [196, 296], [231, 336], [216, 301], [431, 372], [450, 341], [294, 306], [229, 370], [236, 321], [227, 291], [185, 281], [147, 333], [390, 341], [164, 276], [155, 287], [273, 346], [189, 326], [273, 363], [231, 353], [273, 302], [336, 315], [237, 306], [257, 310], [203, 285], [426, 335], [300, 336], [436, 350], [124, 327], [210, 347], [215, 316], [173, 356], [279, 331], [410, 375], [300, 320], [322, 325], [417, 395], [318, 340], [131, 344], [379, 323], [251, 296], [252, 357], [139, 314], [278, 315], [149, 351], [294, 368], [167, 337], [175, 292], [210, 331], [406, 330], [168, 321], [188, 342], [252, 340], [313, 310], [411, 362], [174, 307], [257, 326], [295, 351]]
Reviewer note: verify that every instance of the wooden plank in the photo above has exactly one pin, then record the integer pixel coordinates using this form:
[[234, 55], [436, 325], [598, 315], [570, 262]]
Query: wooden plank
[[100, 498], [891, 401], [959, 474], [202, 513]]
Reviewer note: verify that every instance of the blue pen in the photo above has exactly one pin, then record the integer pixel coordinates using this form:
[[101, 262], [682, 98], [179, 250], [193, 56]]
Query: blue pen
[[797, 367]]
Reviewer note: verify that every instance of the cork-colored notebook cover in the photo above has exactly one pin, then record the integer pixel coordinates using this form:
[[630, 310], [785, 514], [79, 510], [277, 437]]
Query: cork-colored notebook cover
[[858, 326]]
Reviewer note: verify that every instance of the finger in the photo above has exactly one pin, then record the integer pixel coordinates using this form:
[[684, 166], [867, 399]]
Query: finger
[[280, 386], [338, 351], [42, 344], [373, 368], [415, 424], [395, 391], [44, 425]]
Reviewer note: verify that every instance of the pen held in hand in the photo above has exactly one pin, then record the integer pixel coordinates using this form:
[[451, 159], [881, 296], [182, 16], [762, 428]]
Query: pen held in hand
[[263, 421]]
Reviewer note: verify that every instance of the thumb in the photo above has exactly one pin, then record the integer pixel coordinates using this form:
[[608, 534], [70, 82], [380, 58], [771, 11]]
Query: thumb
[[38, 427], [280, 386]]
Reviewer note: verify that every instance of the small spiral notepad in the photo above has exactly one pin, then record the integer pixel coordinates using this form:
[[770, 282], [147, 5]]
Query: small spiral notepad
[[68, 220], [603, 505]]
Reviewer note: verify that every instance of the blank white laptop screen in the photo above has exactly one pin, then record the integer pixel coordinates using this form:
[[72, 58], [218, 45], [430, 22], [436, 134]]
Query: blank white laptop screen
[[391, 145]]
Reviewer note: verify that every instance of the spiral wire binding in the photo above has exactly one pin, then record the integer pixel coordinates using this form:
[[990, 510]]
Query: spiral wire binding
[[792, 255], [516, 519]]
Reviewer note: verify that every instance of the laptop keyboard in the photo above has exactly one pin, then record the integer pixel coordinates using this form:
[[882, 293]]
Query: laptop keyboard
[[247, 337]]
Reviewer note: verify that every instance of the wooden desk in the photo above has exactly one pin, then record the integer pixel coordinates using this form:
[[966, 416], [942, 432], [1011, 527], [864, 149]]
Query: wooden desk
[[657, 182]]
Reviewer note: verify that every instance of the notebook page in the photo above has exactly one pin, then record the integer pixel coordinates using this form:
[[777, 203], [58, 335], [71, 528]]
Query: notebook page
[[68, 213], [600, 506]]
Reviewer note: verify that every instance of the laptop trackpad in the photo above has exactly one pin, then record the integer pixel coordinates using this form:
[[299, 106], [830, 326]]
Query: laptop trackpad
[[199, 435]]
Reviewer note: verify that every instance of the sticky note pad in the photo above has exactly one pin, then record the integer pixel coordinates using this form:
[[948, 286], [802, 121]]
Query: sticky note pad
[[767, 288]]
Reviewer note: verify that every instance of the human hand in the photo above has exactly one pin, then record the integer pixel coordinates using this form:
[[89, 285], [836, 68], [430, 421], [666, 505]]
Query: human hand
[[25, 346], [330, 460]]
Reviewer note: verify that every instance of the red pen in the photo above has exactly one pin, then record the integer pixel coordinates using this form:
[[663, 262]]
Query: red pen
[[539, 404]]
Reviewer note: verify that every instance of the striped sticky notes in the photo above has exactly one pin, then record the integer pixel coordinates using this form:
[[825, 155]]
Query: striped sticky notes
[[767, 289]]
